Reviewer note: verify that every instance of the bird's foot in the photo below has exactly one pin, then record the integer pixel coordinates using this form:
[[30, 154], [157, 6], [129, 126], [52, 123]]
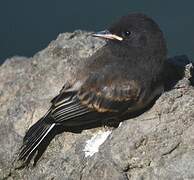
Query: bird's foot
[[111, 124]]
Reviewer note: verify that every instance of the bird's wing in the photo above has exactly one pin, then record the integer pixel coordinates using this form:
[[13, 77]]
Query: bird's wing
[[93, 101], [111, 96]]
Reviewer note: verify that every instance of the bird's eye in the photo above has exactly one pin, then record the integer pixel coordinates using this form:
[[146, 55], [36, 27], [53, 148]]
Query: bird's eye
[[126, 33]]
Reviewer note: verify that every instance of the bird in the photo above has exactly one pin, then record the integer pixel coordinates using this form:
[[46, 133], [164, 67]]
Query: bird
[[122, 77]]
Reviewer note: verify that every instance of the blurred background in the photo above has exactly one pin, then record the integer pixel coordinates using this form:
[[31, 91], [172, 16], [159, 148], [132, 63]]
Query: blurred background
[[28, 26]]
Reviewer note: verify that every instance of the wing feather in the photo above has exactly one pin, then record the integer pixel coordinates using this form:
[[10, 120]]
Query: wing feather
[[91, 101]]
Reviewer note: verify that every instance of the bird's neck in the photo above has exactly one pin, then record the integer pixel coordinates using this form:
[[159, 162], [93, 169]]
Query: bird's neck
[[122, 51]]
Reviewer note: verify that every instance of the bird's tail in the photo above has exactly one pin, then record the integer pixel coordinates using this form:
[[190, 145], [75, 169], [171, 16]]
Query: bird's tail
[[34, 136]]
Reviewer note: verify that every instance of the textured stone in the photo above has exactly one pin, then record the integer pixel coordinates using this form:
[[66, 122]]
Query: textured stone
[[158, 144]]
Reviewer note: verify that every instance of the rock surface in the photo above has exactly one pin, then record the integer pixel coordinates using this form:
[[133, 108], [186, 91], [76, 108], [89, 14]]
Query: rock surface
[[158, 144]]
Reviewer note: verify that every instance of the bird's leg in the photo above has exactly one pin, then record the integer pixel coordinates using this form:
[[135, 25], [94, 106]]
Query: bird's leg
[[111, 124]]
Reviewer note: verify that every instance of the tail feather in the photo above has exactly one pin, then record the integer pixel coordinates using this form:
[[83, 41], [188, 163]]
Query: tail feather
[[34, 137], [36, 126]]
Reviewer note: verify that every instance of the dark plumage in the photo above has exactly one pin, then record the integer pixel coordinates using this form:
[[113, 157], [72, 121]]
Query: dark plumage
[[122, 77]]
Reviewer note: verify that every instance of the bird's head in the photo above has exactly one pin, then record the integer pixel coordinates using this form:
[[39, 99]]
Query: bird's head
[[135, 30]]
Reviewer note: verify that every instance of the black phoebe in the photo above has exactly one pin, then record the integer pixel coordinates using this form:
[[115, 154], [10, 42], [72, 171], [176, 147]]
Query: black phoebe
[[122, 77]]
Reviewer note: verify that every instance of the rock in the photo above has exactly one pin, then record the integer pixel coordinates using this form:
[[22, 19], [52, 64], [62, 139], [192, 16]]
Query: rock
[[158, 144]]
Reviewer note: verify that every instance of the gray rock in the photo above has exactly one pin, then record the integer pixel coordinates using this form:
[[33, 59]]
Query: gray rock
[[158, 144]]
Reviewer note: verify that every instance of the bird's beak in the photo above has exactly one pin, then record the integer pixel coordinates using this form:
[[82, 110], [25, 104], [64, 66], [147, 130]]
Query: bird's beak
[[107, 35]]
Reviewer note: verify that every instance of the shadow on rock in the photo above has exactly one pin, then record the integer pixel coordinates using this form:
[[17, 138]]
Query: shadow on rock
[[177, 68]]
